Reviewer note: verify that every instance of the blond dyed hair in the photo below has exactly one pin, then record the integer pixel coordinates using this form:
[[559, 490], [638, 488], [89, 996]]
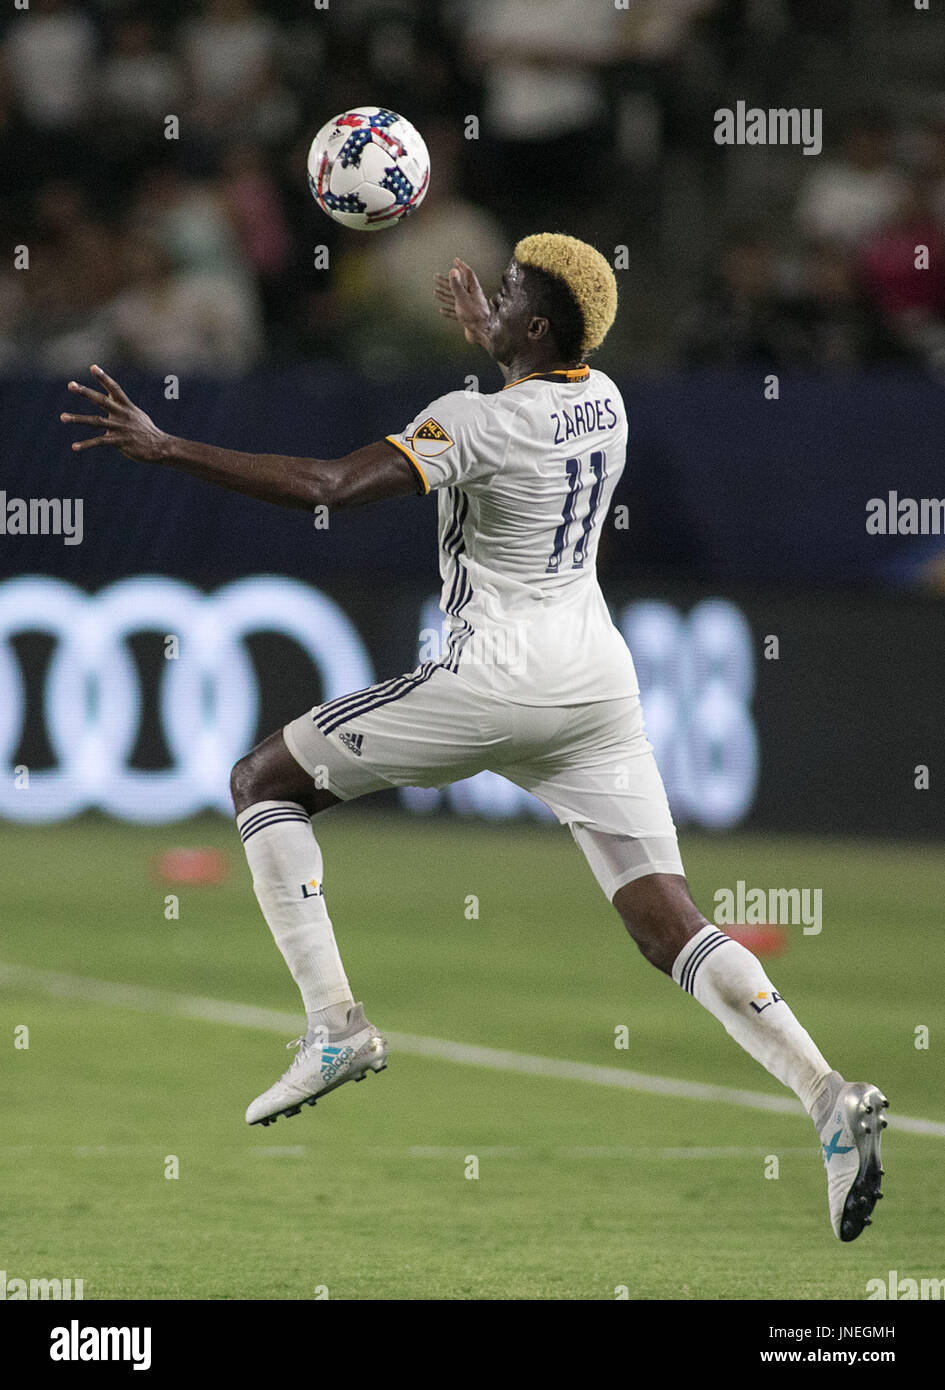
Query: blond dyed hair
[[586, 274]]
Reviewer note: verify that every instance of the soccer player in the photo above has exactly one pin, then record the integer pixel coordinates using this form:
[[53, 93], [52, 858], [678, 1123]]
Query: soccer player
[[535, 683]]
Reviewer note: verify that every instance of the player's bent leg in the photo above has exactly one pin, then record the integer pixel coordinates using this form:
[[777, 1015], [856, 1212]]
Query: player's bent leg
[[603, 782], [416, 729], [732, 984], [275, 797]]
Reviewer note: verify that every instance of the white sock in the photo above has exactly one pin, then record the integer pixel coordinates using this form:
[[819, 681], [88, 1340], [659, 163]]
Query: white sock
[[731, 983], [286, 865]]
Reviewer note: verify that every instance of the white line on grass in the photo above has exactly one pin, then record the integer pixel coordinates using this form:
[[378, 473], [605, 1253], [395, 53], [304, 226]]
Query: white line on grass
[[144, 999], [603, 1151], [599, 1151]]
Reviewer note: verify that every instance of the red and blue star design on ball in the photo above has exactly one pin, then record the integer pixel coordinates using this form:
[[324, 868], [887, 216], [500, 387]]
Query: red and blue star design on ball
[[367, 130]]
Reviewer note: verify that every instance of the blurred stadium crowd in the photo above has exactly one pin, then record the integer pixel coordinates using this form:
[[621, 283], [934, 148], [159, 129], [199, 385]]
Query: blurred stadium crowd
[[199, 252]]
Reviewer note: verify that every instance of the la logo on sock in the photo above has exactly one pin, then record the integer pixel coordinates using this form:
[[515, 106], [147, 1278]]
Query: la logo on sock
[[768, 1000], [312, 889]]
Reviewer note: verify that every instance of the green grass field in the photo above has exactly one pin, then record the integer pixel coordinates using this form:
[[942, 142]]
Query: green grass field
[[582, 1187]]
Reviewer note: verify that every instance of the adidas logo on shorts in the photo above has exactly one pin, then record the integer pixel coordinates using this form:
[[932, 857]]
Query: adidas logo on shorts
[[352, 741]]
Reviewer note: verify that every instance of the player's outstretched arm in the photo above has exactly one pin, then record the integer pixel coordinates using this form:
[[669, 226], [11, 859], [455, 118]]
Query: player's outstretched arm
[[459, 296], [370, 474]]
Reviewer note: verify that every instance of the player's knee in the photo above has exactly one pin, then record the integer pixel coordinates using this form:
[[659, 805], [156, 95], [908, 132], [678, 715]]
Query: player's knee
[[245, 782], [660, 918], [654, 939]]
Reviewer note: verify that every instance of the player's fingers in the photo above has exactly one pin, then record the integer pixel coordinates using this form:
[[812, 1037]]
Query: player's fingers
[[84, 419], [87, 391], [448, 313], [469, 275], [91, 443], [112, 386]]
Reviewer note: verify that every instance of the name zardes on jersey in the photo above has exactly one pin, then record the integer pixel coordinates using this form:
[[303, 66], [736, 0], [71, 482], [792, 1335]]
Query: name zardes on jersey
[[586, 418]]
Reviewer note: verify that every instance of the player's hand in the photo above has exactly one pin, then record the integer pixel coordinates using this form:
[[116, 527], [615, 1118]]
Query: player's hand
[[460, 297], [122, 422]]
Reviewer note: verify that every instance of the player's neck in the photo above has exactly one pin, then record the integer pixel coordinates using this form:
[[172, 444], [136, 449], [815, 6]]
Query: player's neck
[[534, 364]]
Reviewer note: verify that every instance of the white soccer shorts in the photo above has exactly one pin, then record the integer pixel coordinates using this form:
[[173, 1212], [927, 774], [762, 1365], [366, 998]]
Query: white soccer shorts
[[592, 764]]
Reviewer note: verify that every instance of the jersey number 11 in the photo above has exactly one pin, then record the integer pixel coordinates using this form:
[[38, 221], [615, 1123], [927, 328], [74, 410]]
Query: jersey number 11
[[576, 485]]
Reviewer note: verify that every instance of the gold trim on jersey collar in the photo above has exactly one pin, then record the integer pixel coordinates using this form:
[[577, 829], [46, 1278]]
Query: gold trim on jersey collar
[[571, 373]]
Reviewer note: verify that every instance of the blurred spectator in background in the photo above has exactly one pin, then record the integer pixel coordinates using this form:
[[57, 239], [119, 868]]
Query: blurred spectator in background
[[140, 84], [253, 203], [743, 318], [49, 56], [73, 269], [848, 198], [74, 250], [168, 320], [231, 53], [546, 134], [910, 296], [189, 218], [388, 280], [839, 328]]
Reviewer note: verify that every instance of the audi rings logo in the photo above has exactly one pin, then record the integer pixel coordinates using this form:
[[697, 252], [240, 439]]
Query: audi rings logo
[[208, 698]]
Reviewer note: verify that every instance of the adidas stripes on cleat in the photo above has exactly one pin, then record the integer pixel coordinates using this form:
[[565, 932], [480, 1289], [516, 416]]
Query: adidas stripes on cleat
[[322, 1066]]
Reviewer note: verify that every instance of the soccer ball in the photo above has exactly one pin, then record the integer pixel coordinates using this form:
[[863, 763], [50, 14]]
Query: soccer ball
[[368, 168]]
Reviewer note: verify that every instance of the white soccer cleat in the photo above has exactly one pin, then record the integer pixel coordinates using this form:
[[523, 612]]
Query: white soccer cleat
[[850, 1129], [322, 1066]]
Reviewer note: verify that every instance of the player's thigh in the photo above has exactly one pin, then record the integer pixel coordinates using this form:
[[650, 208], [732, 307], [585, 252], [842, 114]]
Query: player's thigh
[[423, 729], [602, 781]]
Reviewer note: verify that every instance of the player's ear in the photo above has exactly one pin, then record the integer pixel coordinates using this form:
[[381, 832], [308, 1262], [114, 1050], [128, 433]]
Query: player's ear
[[538, 328]]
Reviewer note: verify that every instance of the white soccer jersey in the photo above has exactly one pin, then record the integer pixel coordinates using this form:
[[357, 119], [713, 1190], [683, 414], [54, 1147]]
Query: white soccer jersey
[[526, 478]]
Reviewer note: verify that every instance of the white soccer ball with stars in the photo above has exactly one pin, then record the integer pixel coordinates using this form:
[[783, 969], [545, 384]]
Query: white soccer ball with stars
[[368, 168]]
